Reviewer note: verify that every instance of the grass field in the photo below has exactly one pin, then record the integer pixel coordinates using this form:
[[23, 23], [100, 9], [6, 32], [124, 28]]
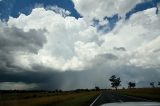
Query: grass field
[[147, 93], [82, 98], [48, 99]]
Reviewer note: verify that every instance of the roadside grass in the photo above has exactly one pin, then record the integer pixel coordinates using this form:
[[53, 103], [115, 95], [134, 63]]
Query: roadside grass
[[63, 99], [17, 96], [147, 93]]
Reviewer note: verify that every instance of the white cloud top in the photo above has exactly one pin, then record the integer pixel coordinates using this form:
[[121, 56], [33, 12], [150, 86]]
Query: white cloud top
[[99, 9], [73, 45]]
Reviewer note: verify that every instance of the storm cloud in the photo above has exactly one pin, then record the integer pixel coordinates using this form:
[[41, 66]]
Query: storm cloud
[[15, 42], [49, 49], [47, 79]]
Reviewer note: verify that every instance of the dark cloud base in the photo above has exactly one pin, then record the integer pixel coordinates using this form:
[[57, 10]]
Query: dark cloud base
[[47, 79]]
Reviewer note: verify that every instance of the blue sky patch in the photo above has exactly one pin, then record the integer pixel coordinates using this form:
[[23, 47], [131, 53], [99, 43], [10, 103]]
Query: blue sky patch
[[15, 7], [142, 6]]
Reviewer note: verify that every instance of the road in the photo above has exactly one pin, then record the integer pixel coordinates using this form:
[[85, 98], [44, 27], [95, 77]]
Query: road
[[110, 97]]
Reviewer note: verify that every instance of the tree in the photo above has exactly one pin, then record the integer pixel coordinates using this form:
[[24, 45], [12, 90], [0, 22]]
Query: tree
[[152, 84], [159, 83], [115, 82], [131, 85], [97, 88]]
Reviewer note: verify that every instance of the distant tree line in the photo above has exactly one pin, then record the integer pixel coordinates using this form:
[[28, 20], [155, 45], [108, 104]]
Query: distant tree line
[[152, 84], [116, 82]]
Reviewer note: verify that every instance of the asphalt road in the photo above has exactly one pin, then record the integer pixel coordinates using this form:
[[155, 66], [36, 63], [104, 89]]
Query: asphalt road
[[110, 97]]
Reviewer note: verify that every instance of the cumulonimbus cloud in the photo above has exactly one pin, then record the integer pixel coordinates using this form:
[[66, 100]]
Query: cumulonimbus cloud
[[72, 44], [71, 47]]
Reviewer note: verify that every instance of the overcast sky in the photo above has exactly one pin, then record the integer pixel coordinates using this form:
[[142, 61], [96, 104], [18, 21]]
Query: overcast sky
[[70, 44]]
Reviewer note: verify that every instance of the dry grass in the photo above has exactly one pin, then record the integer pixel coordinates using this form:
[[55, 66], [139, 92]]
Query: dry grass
[[66, 99], [148, 93]]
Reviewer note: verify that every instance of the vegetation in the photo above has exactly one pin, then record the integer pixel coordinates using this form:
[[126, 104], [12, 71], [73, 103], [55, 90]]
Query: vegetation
[[97, 88], [152, 84], [115, 82], [81, 98], [131, 85]]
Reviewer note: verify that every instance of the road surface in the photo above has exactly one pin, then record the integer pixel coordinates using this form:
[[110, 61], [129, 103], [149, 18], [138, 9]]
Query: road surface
[[110, 97]]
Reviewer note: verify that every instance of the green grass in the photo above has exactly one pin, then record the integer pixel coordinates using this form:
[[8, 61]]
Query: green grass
[[63, 99], [147, 93]]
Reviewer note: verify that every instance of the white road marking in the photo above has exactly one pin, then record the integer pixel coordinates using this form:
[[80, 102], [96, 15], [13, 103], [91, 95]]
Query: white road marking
[[95, 100]]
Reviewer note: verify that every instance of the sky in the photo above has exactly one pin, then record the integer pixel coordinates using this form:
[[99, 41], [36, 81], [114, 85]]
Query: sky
[[78, 44]]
